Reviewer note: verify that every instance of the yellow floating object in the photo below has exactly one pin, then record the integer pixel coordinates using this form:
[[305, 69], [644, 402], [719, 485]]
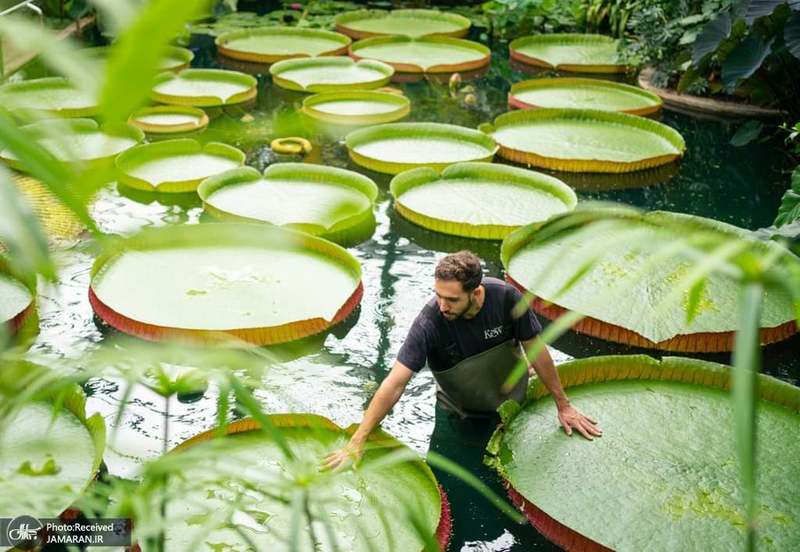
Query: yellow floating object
[[292, 145]]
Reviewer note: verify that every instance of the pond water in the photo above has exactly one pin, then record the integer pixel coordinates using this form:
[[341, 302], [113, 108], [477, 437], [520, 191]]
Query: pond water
[[339, 376]]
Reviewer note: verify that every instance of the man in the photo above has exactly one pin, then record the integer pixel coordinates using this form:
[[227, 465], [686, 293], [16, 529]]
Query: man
[[470, 339]]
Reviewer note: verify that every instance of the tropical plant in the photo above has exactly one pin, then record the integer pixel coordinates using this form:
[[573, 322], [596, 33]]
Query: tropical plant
[[72, 9], [660, 34], [607, 16], [751, 49]]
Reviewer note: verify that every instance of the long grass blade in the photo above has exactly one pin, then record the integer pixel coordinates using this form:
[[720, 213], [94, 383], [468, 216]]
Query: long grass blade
[[746, 365], [139, 51]]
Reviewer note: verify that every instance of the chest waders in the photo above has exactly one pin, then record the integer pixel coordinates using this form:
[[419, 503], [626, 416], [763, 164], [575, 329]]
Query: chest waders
[[472, 388]]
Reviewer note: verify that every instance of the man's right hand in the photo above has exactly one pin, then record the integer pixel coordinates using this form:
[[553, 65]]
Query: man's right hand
[[351, 453], [385, 398]]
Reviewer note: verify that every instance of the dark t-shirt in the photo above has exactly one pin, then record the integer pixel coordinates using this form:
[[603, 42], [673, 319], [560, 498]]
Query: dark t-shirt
[[444, 343]]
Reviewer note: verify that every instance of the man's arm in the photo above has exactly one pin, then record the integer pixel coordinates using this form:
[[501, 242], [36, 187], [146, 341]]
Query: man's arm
[[568, 415], [387, 395]]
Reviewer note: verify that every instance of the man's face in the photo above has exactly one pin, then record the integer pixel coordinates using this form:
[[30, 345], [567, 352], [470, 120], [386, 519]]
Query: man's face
[[453, 301]]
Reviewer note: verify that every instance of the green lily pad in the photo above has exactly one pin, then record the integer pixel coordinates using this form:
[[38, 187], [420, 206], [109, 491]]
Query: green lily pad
[[332, 203], [356, 501], [204, 88], [479, 200], [79, 141], [584, 140], [169, 119], [177, 58], [356, 107], [657, 318], [330, 74], [52, 96], [415, 23], [271, 44], [47, 461], [254, 282], [583, 94], [429, 54], [665, 474], [175, 165], [396, 147], [584, 53]]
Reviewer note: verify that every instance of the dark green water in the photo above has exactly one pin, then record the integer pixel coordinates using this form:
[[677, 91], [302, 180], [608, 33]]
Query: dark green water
[[338, 377]]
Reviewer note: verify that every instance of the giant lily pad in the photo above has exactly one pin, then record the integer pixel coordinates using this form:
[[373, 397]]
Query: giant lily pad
[[429, 54], [368, 23], [16, 301], [254, 282], [365, 509], [479, 200], [271, 44], [332, 203], [204, 87], [665, 474], [51, 96], [583, 53], [657, 317], [175, 165], [49, 457], [583, 140], [356, 107], [583, 94], [396, 147], [176, 59], [169, 119], [79, 141], [330, 74]]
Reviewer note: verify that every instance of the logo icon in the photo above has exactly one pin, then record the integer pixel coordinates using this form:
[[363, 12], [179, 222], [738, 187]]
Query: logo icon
[[22, 532]]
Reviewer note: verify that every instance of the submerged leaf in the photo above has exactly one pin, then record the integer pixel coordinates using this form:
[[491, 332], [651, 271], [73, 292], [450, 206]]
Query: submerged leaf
[[747, 133]]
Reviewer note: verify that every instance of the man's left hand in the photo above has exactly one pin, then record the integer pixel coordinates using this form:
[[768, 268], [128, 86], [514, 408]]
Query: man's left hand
[[571, 418]]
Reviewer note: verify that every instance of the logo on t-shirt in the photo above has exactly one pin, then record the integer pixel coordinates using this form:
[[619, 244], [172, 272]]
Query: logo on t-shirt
[[491, 333]]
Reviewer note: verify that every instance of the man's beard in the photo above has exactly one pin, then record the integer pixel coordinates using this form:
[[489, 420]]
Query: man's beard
[[462, 313]]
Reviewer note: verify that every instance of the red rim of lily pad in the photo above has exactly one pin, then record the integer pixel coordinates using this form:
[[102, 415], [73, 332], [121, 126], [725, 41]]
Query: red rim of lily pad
[[235, 234], [707, 342]]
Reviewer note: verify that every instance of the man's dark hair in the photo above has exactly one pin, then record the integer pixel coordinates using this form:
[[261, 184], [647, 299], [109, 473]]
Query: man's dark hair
[[462, 266]]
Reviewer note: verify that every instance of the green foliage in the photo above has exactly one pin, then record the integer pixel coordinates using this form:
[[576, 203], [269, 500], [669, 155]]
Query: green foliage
[[789, 211], [747, 133], [509, 19], [71, 9], [662, 34], [607, 16], [752, 50]]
